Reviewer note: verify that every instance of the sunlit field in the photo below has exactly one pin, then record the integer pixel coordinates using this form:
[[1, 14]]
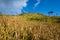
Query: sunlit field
[[29, 27]]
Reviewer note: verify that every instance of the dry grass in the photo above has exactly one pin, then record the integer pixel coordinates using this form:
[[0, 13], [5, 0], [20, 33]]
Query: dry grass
[[18, 28]]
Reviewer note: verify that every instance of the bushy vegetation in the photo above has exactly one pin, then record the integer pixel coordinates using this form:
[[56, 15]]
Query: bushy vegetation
[[29, 27]]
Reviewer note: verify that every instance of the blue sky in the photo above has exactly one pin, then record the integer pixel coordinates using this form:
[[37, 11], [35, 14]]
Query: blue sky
[[40, 6]]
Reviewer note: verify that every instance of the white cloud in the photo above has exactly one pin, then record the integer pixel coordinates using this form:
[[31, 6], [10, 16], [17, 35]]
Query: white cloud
[[37, 3], [12, 6]]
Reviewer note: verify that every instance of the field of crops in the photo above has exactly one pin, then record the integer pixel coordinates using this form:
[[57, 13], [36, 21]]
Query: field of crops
[[29, 27]]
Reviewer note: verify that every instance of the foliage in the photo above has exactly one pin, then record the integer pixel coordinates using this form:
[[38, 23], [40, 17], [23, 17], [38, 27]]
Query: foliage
[[50, 13]]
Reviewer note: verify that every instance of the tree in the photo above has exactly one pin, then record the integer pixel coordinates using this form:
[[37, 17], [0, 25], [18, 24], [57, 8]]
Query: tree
[[1, 14], [50, 12]]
